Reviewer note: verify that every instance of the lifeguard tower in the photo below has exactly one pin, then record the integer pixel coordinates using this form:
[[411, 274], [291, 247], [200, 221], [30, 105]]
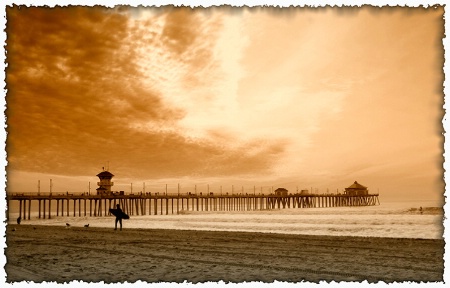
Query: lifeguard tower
[[105, 182]]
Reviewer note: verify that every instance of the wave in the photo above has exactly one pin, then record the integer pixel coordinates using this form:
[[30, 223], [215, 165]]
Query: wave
[[426, 210]]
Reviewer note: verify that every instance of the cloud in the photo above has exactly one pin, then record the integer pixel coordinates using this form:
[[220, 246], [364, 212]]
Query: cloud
[[179, 32], [78, 97]]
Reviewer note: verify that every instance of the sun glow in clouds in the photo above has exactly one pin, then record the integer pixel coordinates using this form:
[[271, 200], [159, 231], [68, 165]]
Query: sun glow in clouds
[[204, 87], [222, 96]]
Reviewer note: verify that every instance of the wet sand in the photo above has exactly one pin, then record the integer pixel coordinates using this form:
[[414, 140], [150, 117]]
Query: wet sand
[[50, 253]]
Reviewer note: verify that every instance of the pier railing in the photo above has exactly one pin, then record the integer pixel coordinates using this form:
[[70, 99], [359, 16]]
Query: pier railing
[[143, 203]]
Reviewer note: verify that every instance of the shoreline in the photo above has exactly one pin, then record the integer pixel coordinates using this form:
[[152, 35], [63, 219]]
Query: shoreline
[[160, 255], [170, 230]]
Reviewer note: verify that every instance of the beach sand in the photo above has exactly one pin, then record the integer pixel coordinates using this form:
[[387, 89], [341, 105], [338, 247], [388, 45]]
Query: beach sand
[[51, 253]]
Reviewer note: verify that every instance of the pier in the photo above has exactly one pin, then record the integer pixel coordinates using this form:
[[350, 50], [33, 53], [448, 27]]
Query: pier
[[84, 204]]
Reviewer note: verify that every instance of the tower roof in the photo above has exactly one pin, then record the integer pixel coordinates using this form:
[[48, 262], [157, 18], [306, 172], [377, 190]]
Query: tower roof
[[105, 174], [356, 185]]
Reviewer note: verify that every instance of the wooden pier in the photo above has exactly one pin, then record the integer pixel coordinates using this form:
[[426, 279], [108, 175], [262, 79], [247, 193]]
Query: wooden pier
[[84, 204]]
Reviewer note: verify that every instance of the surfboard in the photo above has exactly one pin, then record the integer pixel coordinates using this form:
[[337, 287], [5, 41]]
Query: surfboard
[[119, 213]]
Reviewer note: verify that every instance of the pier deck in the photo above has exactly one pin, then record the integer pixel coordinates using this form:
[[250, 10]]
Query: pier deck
[[147, 203]]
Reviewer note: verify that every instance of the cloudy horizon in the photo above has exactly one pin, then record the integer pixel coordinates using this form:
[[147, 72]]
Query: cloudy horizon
[[298, 97]]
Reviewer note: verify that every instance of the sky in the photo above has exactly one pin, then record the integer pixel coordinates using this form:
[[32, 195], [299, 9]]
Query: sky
[[237, 98]]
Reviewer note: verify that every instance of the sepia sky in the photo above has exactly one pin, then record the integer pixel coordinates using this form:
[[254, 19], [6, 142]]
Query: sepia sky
[[299, 97]]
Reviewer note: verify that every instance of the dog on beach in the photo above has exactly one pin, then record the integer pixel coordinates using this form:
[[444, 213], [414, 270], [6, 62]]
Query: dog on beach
[[67, 225], [86, 226]]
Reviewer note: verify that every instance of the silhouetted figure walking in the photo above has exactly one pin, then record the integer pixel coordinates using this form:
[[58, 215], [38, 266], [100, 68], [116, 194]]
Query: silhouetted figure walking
[[18, 220], [118, 217]]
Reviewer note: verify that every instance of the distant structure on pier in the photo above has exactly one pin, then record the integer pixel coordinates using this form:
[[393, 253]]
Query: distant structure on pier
[[105, 182], [304, 192], [281, 192], [356, 189]]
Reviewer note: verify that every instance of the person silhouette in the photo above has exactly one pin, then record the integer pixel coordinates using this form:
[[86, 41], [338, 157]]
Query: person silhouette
[[18, 220], [119, 217]]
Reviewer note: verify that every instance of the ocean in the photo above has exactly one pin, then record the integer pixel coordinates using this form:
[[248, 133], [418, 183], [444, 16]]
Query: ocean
[[393, 220]]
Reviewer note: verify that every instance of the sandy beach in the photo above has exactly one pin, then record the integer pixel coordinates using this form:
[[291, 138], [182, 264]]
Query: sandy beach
[[46, 253]]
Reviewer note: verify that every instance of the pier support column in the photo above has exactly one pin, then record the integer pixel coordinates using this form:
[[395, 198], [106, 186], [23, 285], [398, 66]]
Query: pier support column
[[24, 217], [49, 208], [29, 209], [20, 208]]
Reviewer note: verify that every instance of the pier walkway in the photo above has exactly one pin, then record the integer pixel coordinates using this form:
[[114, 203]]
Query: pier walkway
[[85, 204]]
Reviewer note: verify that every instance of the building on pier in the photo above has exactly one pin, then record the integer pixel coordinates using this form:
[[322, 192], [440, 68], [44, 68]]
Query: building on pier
[[356, 189], [281, 192], [105, 183]]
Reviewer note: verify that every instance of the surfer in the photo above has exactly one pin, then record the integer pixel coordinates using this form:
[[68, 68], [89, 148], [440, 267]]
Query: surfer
[[118, 217]]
